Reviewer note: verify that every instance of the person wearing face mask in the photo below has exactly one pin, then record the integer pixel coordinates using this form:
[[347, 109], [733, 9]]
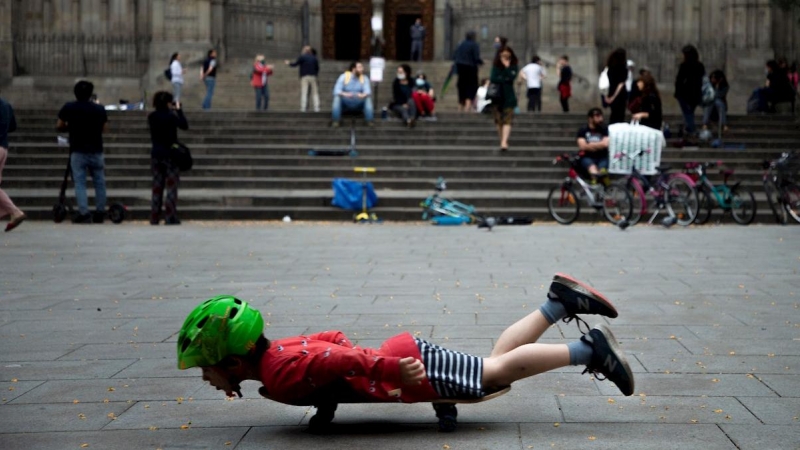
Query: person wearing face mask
[[423, 96], [402, 102]]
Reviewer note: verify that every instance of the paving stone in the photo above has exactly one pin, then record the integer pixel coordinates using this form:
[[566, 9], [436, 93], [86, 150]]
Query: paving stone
[[27, 349], [153, 368], [784, 385], [9, 390], [631, 436], [654, 409], [694, 385], [122, 351], [757, 437], [742, 347], [208, 413], [774, 411], [58, 417], [683, 363], [151, 389], [169, 439], [63, 370]]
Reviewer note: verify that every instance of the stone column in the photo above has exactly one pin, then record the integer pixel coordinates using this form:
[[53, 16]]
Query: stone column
[[315, 25], [377, 11], [6, 44], [438, 31]]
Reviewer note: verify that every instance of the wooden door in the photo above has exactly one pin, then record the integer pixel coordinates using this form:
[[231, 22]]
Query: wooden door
[[330, 8]]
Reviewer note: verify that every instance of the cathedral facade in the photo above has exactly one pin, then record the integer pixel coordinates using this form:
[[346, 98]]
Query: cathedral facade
[[134, 37]]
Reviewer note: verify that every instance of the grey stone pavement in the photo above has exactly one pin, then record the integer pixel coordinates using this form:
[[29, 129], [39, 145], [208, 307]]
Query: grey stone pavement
[[709, 318]]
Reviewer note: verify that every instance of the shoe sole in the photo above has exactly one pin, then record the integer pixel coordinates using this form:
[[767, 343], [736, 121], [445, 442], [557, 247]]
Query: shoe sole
[[575, 285], [614, 346]]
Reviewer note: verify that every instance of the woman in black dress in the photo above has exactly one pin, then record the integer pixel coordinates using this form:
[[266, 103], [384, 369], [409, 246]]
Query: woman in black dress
[[164, 123], [617, 97]]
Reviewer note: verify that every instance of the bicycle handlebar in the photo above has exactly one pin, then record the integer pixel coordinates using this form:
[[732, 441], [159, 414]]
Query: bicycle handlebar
[[635, 155]]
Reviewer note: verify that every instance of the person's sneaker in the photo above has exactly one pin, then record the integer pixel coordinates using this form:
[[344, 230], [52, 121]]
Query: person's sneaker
[[370, 124], [82, 218], [608, 360], [579, 298], [172, 222], [98, 217], [335, 124]]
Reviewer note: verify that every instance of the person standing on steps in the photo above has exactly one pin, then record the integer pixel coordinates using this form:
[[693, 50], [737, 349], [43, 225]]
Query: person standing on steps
[[8, 124], [689, 86], [176, 71], [504, 73], [260, 82], [467, 58], [208, 74], [564, 72], [417, 40], [86, 122], [617, 96], [308, 65], [534, 74], [164, 123]]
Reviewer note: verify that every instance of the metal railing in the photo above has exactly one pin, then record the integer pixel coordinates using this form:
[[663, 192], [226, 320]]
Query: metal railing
[[81, 55]]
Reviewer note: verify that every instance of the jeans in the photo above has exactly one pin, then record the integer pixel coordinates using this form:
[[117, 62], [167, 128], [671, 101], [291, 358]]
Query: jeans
[[94, 163], [210, 82], [722, 110], [534, 99], [351, 105], [416, 50], [688, 116], [262, 93], [309, 82], [176, 91], [406, 112]]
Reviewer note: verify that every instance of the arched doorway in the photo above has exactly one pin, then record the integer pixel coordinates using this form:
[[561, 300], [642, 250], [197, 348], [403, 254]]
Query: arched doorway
[[346, 29], [398, 16]]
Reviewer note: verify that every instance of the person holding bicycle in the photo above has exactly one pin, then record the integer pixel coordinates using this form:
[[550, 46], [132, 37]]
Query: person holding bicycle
[[593, 145]]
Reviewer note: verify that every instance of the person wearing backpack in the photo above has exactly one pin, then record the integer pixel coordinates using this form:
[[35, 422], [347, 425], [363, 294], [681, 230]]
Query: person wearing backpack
[[164, 123], [720, 102], [175, 75]]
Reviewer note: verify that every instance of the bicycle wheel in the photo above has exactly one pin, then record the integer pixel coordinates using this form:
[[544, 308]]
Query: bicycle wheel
[[771, 190], [743, 206], [617, 204], [705, 202], [563, 204], [791, 201], [682, 200], [638, 203]]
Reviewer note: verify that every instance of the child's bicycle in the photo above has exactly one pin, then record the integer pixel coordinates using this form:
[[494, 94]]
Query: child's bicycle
[[436, 207], [783, 193], [564, 200], [739, 201], [674, 193]]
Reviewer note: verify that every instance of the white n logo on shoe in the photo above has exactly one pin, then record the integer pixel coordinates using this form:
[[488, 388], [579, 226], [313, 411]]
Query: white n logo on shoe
[[583, 303], [610, 363]]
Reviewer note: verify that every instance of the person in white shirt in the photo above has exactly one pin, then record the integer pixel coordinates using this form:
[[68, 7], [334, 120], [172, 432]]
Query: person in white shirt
[[177, 71], [533, 74], [480, 98]]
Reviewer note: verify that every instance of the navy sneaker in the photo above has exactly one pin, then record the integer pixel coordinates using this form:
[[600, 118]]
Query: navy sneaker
[[579, 298], [608, 360]]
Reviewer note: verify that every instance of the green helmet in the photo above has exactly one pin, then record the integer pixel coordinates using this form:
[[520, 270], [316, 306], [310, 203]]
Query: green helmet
[[218, 327]]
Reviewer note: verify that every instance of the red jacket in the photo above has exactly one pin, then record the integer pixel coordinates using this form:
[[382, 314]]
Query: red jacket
[[260, 74], [294, 369]]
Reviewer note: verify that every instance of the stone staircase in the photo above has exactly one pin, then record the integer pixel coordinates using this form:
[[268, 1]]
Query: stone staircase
[[252, 165]]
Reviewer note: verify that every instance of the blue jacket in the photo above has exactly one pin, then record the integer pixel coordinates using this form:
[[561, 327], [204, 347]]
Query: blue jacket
[[468, 53], [352, 84], [309, 65]]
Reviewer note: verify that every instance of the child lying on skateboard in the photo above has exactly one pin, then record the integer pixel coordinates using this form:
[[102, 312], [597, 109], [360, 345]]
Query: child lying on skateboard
[[223, 336]]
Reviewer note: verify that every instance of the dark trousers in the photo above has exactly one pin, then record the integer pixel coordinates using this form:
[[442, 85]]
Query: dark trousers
[[618, 108], [416, 50], [535, 99], [565, 104], [165, 176]]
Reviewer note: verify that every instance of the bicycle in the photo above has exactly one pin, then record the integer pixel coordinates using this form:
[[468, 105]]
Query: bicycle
[[674, 192], [783, 194], [739, 201], [563, 201]]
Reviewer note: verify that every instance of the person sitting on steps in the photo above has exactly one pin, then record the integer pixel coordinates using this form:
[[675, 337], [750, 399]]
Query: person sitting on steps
[[402, 103], [224, 337], [352, 93], [593, 145]]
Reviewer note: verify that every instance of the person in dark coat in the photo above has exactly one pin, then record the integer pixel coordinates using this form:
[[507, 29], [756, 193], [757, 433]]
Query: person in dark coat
[[617, 98], [467, 58], [689, 85], [504, 73], [164, 124], [720, 104], [650, 112]]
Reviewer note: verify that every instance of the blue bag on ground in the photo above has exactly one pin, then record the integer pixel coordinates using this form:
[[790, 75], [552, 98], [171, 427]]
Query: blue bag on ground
[[347, 194]]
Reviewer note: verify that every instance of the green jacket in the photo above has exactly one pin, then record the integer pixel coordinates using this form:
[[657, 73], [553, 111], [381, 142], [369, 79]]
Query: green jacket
[[505, 78]]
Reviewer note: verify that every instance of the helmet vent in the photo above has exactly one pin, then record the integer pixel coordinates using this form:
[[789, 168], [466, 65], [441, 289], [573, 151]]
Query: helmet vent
[[202, 322], [237, 301], [185, 345], [233, 312]]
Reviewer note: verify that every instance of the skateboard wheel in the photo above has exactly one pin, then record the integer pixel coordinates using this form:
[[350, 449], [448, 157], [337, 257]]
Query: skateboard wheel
[[117, 212], [448, 424]]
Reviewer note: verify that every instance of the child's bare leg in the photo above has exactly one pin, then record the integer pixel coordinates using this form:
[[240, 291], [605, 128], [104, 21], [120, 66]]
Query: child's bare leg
[[525, 361], [525, 331]]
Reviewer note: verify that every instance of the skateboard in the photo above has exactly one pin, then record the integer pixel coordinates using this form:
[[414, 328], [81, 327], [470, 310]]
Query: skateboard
[[327, 401]]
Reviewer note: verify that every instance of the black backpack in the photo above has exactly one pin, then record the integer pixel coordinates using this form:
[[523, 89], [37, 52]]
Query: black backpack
[[168, 74]]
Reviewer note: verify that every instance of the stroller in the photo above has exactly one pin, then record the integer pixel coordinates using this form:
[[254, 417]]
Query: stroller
[[116, 212]]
